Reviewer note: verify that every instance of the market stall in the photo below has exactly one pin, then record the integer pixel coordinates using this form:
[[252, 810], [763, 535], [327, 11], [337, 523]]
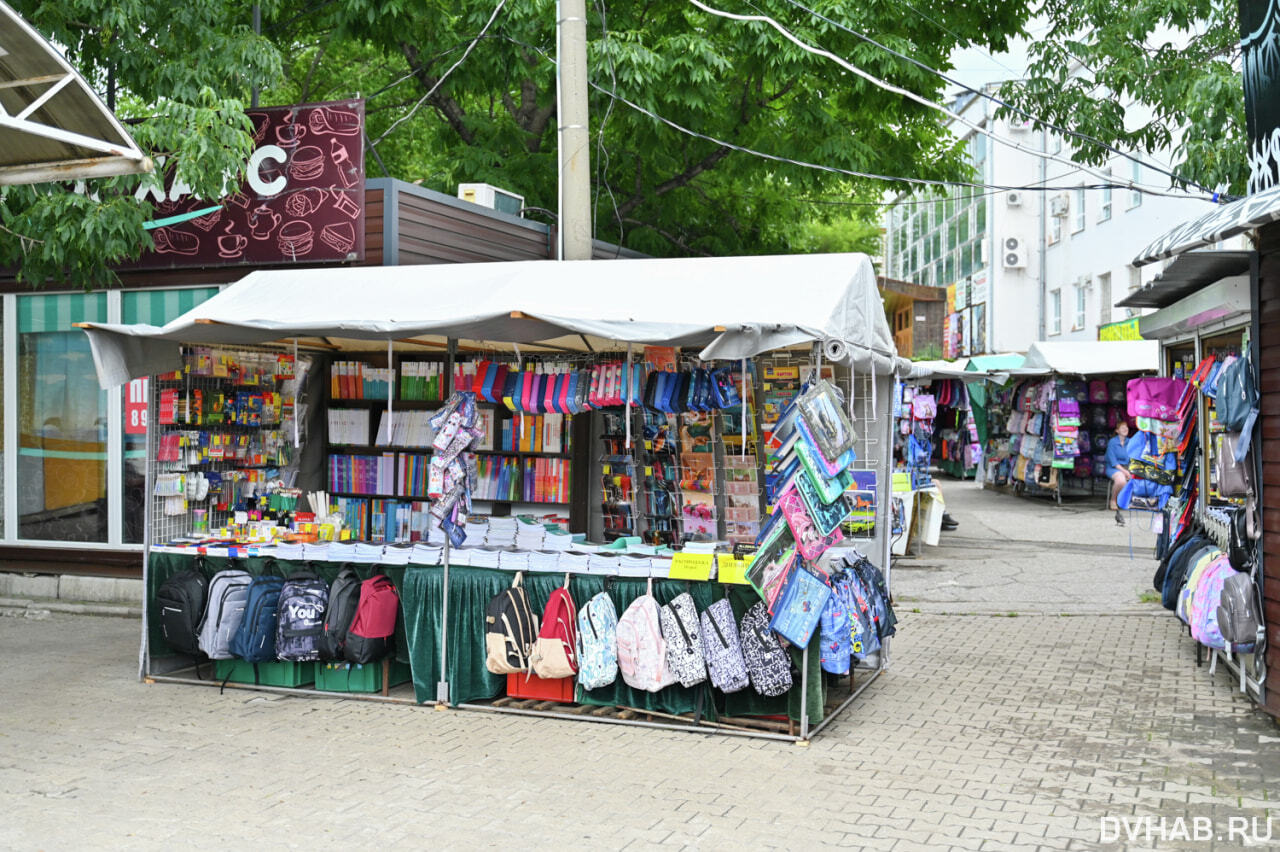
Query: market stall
[[1063, 403], [658, 433]]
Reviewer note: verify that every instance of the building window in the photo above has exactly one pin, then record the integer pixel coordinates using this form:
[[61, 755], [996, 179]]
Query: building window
[[1077, 214], [1055, 143], [1104, 295], [62, 420], [1104, 212], [1135, 284], [1055, 312], [1055, 229], [1135, 197], [1080, 308]]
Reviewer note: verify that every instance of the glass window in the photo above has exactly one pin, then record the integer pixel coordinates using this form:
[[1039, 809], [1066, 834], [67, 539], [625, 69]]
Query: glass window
[[1055, 229], [62, 420], [1055, 311], [1080, 304], [980, 217], [949, 269], [1104, 295], [962, 226], [1104, 212], [1135, 197], [1078, 212], [156, 307]]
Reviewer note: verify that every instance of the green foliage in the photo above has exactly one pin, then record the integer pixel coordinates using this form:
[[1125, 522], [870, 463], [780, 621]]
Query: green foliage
[[1171, 58]]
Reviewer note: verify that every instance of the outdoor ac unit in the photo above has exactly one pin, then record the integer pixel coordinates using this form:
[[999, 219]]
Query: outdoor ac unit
[[1019, 124], [1013, 199], [492, 197], [1014, 251], [1060, 205]]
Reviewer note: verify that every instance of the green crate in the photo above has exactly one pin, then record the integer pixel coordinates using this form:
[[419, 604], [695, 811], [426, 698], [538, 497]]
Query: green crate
[[275, 673], [353, 677]]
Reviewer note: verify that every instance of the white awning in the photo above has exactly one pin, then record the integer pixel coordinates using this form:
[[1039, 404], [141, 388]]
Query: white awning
[[1220, 223], [52, 125], [1090, 358], [726, 307]]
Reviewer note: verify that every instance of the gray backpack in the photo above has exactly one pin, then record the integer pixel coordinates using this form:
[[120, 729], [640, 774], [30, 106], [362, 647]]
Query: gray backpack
[[768, 665], [723, 649], [679, 620], [1237, 610], [228, 593]]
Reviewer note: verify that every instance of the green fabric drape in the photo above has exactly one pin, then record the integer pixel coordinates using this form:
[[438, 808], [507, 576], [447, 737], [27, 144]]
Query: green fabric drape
[[419, 629]]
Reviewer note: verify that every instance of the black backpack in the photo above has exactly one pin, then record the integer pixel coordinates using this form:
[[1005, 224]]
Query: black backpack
[[344, 598], [304, 601], [180, 603], [510, 630]]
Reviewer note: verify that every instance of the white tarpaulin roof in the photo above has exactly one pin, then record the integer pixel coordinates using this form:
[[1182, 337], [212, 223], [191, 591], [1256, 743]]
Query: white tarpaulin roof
[[945, 370], [1090, 358], [728, 307]]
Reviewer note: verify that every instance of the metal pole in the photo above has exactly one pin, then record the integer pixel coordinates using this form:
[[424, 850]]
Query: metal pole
[[804, 694], [144, 652], [574, 231], [442, 685]]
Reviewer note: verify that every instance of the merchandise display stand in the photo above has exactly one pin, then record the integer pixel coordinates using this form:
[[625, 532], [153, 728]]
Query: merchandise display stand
[[839, 334]]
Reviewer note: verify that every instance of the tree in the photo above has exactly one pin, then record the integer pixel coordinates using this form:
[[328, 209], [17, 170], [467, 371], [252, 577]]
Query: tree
[[657, 190], [180, 73], [1171, 58]]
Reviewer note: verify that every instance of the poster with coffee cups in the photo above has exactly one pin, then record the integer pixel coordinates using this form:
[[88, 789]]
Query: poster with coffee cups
[[301, 200]]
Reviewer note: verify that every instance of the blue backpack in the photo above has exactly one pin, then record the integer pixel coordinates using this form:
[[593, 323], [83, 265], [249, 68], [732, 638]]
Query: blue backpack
[[255, 641], [597, 642], [837, 636]]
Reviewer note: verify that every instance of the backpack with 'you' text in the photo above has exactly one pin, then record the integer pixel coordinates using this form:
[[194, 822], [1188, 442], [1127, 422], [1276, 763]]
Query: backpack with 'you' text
[[304, 602]]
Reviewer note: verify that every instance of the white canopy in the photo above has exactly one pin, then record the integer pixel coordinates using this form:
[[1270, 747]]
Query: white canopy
[[945, 370], [1090, 358], [729, 307]]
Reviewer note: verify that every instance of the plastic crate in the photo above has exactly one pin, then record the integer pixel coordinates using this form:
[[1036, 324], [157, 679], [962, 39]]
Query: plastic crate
[[353, 677], [275, 673], [522, 685]]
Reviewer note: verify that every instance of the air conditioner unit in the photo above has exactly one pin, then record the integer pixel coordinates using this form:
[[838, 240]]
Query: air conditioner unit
[[495, 198], [1013, 199], [1014, 253], [1020, 125], [1060, 206]]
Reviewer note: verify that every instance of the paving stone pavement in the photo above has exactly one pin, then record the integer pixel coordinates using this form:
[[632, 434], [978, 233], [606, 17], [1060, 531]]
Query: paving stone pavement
[[988, 732]]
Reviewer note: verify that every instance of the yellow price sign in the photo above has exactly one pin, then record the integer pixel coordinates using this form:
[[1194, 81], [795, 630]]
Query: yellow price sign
[[734, 570], [606, 469], [692, 566], [648, 471]]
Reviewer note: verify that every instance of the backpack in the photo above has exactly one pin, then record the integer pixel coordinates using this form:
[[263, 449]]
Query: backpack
[[255, 641], [1155, 396], [304, 601], [344, 596], [768, 665], [179, 604], [642, 652], [1237, 610], [597, 643], [555, 651], [679, 622], [227, 593], [1237, 395], [372, 631], [1205, 602], [722, 648], [837, 636], [510, 630]]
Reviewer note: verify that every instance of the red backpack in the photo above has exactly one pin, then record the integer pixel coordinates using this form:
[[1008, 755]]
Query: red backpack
[[374, 624], [555, 653]]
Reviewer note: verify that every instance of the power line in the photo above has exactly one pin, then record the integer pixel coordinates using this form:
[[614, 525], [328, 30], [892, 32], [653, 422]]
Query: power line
[[889, 87], [446, 74], [998, 101]]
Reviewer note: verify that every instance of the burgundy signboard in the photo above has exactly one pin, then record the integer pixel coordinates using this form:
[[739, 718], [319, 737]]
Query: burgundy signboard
[[302, 200]]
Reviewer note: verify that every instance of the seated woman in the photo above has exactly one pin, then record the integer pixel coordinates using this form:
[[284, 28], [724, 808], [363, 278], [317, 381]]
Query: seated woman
[[1117, 466]]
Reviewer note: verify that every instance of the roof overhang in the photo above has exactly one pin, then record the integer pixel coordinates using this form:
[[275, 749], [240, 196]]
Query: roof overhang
[[1215, 304], [52, 125], [1222, 222], [1188, 273]]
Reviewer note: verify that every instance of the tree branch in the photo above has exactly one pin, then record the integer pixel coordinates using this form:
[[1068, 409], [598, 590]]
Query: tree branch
[[668, 236], [452, 111], [682, 179]]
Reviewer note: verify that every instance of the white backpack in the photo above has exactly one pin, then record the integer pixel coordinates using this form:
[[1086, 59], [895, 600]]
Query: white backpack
[[228, 594], [597, 643], [684, 644], [642, 653]]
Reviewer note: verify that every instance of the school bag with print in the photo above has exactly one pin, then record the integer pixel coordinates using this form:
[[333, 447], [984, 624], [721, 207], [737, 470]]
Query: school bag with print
[[768, 665], [304, 601], [223, 613], [344, 597], [679, 622], [510, 630], [372, 632], [555, 651], [722, 648], [179, 605], [597, 642], [836, 631], [642, 652], [255, 641]]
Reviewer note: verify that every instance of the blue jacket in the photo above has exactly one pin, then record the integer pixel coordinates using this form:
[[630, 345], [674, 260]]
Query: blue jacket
[[1117, 455]]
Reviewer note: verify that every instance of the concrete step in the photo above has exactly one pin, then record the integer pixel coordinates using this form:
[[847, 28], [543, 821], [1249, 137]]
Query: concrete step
[[32, 594]]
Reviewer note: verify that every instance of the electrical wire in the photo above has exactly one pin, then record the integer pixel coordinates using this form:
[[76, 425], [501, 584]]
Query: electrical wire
[[445, 76], [898, 90], [1084, 137]]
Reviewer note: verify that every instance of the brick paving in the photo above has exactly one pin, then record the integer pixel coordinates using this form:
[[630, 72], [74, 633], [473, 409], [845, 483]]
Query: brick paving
[[989, 732]]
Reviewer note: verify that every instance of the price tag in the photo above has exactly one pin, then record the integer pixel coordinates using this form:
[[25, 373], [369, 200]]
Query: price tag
[[733, 570], [648, 471], [606, 469], [692, 566]]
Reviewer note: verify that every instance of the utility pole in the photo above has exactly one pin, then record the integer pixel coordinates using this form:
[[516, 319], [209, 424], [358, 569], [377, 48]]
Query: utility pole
[[573, 141]]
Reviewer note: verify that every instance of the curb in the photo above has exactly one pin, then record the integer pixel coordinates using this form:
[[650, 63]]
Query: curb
[[41, 608]]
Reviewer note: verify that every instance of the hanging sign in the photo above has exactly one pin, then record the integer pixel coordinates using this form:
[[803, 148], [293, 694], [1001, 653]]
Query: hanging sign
[[135, 408]]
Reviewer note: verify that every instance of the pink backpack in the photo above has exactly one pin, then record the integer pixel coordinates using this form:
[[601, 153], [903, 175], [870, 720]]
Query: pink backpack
[[1154, 396], [642, 652], [1203, 615], [1098, 392]]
